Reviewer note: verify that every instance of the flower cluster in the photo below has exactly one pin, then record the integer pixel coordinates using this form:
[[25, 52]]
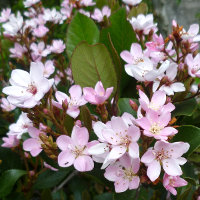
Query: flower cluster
[[61, 114]]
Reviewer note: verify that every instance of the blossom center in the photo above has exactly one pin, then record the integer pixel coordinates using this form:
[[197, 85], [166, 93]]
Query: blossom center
[[161, 155], [32, 89], [78, 151], [128, 174], [155, 129]]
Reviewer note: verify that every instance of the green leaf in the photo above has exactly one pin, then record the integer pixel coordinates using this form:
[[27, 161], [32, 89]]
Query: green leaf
[[14, 161], [86, 117], [190, 134], [8, 180], [119, 36], [124, 106], [93, 63], [190, 180], [59, 195], [121, 32], [130, 194], [50, 178], [104, 196], [82, 28], [185, 108], [142, 8]]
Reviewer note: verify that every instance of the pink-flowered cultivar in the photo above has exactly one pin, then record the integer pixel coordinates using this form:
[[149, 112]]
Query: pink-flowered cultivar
[[98, 95], [167, 155], [72, 102], [74, 150], [171, 182], [124, 173], [126, 130]]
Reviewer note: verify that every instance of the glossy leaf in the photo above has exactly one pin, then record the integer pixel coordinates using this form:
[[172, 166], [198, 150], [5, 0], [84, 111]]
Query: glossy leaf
[[124, 106], [82, 28], [121, 32], [8, 180], [190, 134], [129, 194], [93, 63], [50, 178], [185, 108]]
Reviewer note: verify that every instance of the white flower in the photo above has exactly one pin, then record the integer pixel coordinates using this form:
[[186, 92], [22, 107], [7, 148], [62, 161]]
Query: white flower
[[6, 106], [21, 126], [132, 2], [170, 86], [139, 66], [52, 16], [14, 25], [143, 23], [29, 3], [27, 89]]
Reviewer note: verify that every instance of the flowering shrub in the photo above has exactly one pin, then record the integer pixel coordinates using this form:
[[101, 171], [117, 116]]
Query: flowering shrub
[[97, 104]]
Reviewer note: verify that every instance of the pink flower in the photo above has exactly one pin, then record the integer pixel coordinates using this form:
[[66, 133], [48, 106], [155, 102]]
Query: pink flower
[[39, 50], [171, 86], [84, 12], [18, 51], [170, 182], [40, 31], [143, 23], [10, 141], [155, 125], [87, 2], [124, 173], [21, 126], [33, 144], [132, 2], [98, 14], [27, 89], [5, 14], [157, 44], [166, 154], [14, 25], [57, 46], [29, 3], [140, 66], [50, 167], [192, 33], [118, 137], [98, 95], [193, 65], [73, 102], [49, 68], [157, 102], [6, 105], [74, 150]]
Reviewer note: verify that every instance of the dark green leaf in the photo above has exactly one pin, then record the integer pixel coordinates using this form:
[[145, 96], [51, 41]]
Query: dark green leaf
[[50, 178], [59, 195], [121, 32], [124, 106], [105, 196], [8, 180], [129, 194], [86, 117], [185, 107], [14, 161], [82, 28], [190, 180], [190, 134], [93, 63]]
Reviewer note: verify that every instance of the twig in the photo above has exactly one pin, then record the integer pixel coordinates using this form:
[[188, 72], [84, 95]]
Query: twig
[[74, 173]]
